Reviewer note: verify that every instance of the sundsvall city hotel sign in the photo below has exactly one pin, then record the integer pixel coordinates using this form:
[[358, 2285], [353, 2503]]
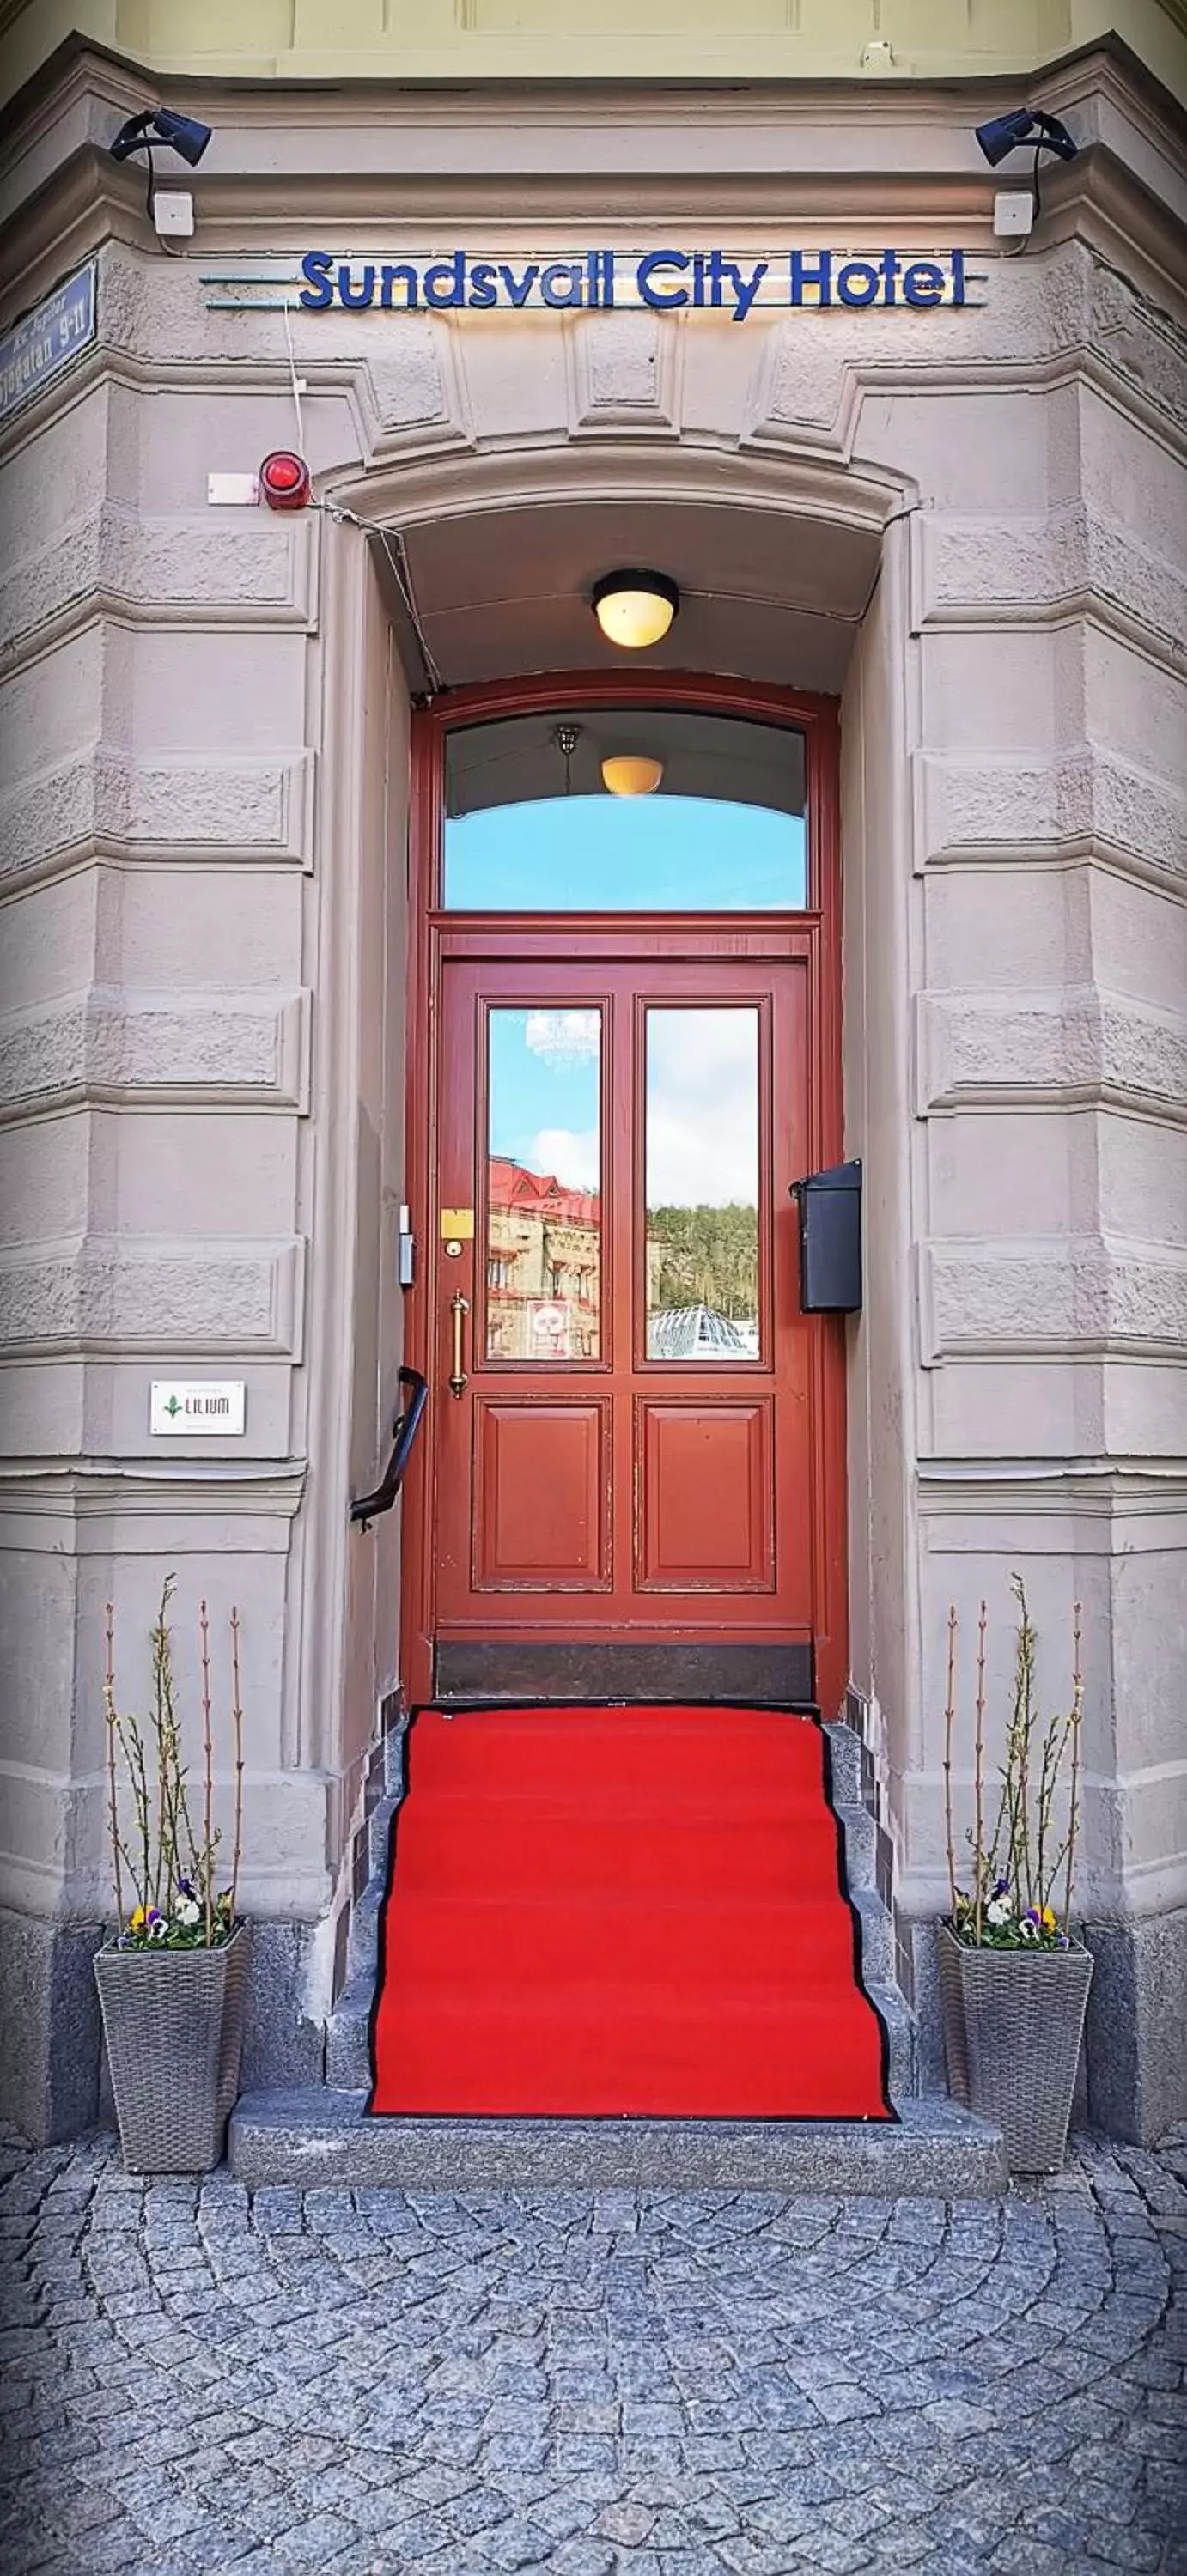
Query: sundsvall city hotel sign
[[669, 281], [663, 281]]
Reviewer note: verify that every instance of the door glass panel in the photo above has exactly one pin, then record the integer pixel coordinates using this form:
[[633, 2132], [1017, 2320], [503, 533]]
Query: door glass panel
[[625, 809], [544, 1212], [702, 1184]]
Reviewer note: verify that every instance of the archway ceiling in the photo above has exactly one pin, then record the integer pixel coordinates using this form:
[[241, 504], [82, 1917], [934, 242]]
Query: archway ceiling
[[765, 595]]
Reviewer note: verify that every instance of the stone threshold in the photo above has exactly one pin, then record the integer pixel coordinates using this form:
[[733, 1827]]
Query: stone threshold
[[323, 2136]]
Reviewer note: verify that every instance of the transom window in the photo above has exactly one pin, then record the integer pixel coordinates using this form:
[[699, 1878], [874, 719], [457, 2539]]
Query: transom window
[[625, 809]]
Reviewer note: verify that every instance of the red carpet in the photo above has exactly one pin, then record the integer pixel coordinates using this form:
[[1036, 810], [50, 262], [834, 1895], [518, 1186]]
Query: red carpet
[[621, 1910]]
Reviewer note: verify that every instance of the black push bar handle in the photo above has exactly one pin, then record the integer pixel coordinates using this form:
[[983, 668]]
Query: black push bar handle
[[405, 1428]]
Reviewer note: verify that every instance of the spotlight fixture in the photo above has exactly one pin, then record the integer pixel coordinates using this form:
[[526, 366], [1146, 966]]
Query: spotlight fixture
[[162, 125], [1005, 134], [631, 773], [634, 608]]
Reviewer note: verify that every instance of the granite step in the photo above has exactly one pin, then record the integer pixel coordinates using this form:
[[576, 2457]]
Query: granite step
[[323, 2136]]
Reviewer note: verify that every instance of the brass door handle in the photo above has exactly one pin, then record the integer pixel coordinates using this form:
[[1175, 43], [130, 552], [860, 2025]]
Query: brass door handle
[[459, 1310]]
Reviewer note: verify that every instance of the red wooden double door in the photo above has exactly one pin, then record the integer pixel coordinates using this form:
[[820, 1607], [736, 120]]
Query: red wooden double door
[[632, 1480]]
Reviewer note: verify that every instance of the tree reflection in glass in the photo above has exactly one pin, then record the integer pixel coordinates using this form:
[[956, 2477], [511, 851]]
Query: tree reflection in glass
[[702, 1184]]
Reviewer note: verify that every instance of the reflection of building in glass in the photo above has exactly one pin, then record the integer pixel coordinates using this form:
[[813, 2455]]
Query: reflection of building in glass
[[698, 1333], [543, 1253], [702, 1281]]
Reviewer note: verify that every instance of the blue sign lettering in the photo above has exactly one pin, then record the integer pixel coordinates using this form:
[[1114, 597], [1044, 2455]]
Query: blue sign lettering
[[663, 281]]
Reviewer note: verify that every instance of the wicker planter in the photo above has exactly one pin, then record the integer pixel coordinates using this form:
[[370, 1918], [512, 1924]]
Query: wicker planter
[[173, 2023], [1013, 2023]]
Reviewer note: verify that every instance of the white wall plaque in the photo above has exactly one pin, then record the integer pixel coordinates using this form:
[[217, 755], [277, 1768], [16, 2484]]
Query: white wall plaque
[[184, 1406]]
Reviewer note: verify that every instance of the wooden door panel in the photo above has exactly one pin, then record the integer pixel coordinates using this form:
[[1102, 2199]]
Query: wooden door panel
[[540, 1484], [608, 1481], [707, 1517]]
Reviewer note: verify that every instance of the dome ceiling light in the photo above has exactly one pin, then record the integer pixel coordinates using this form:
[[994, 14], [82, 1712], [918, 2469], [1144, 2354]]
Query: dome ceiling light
[[634, 608], [631, 773]]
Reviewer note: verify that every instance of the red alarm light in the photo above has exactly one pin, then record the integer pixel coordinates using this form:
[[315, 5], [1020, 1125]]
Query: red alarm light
[[284, 480]]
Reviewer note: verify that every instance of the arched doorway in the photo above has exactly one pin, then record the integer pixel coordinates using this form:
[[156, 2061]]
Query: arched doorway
[[624, 1046]]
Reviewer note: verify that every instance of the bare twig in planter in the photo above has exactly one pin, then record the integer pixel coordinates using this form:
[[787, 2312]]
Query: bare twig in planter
[[207, 1773], [949, 1716], [1013, 1901], [1076, 1721], [979, 1778], [109, 1711], [174, 1818], [160, 1722], [177, 1899], [130, 1866], [1024, 1723], [237, 1721], [1013, 1811], [1044, 1804], [133, 1745], [1055, 1745]]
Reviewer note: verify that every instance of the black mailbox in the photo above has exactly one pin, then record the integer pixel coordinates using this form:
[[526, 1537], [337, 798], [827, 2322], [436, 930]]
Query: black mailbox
[[830, 1240]]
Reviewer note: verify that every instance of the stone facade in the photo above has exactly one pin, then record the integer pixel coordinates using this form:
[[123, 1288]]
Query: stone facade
[[972, 525]]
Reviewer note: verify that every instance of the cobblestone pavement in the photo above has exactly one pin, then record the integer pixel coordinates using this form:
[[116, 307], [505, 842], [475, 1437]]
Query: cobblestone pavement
[[591, 2384]]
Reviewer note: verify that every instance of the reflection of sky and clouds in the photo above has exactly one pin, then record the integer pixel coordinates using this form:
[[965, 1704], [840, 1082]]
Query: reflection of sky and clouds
[[625, 854], [702, 1100], [702, 1108], [544, 1090]]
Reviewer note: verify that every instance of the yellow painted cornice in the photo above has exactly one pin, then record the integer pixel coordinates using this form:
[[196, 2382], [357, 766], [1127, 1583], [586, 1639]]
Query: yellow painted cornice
[[500, 41]]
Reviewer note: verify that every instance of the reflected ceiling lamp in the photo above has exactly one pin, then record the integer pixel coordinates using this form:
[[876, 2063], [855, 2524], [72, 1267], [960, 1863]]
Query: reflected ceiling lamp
[[634, 608], [631, 773]]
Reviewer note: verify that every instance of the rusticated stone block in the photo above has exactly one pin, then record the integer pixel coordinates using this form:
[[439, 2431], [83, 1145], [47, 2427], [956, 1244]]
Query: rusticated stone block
[[168, 1298], [1016, 801], [808, 383], [1060, 1294], [257, 806], [624, 373], [250, 562], [106, 1043], [1140, 341], [1095, 1044], [964, 566]]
